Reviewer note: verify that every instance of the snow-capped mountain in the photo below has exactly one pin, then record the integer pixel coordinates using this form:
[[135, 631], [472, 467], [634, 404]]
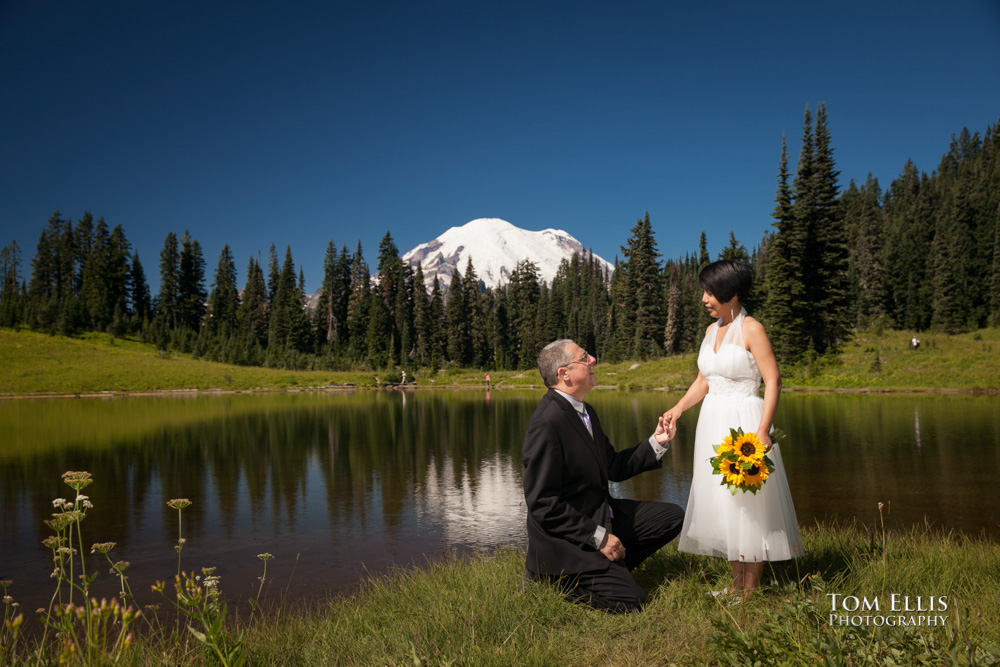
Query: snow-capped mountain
[[495, 247]]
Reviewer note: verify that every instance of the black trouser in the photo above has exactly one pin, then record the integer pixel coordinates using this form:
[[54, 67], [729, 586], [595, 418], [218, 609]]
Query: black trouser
[[643, 527]]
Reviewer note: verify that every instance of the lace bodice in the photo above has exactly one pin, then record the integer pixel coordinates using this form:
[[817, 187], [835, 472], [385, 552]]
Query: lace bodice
[[741, 387], [731, 371]]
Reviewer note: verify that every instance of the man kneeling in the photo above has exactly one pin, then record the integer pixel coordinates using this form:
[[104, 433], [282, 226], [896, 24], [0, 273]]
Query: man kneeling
[[578, 535]]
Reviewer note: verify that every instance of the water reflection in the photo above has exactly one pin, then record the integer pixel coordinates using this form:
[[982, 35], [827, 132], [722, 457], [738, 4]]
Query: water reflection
[[337, 484], [486, 513]]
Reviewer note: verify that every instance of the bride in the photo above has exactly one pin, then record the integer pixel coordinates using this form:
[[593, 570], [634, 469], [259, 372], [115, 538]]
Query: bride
[[747, 529]]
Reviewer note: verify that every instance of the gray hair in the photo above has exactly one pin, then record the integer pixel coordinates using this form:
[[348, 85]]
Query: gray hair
[[554, 356]]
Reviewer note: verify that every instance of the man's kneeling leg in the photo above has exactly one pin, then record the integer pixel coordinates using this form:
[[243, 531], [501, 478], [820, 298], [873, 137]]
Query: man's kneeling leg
[[611, 590]]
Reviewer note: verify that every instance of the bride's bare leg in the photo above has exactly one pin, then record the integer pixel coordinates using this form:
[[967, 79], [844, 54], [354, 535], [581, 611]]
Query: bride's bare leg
[[737, 575], [746, 576], [752, 573]]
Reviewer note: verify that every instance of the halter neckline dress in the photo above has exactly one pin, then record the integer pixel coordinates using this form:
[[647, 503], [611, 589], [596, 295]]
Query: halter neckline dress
[[745, 527]]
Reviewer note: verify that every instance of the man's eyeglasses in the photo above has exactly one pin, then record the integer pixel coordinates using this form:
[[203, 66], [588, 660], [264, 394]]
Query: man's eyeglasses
[[585, 359]]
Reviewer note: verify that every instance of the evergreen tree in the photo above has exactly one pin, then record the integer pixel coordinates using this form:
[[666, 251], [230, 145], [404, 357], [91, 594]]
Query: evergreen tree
[[457, 318], [954, 278], [167, 302], [47, 274], [326, 320], [10, 285], [735, 251], [437, 338], [642, 278], [828, 285], [694, 315], [377, 336], [561, 317], [542, 334], [357, 307], [703, 257], [191, 294], [83, 239], [390, 282], [342, 297], [289, 323], [139, 289], [422, 323], [995, 278], [672, 343], [253, 315], [403, 312], [93, 281], [10, 266], [801, 242], [758, 262], [524, 294], [783, 315], [499, 320], [273, 272], [909, 207], [863, 219], [620, 319], [119, 272], [476, 318], [598, 304], [223, 302]]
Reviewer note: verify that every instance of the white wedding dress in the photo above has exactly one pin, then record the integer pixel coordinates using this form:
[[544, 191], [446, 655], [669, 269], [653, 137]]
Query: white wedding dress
[[745, 527]]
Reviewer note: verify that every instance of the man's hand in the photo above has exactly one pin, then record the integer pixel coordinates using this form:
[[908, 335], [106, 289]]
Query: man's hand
[[612, 548], [665, 428]]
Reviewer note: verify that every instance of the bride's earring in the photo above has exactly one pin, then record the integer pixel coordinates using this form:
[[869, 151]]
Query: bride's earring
[[732, 314]]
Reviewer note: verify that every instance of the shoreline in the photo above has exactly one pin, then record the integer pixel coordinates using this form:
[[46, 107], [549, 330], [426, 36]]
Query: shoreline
[[454, 387]]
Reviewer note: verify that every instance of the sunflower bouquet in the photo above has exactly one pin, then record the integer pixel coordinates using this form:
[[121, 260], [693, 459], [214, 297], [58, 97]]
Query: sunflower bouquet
[[742, 462]]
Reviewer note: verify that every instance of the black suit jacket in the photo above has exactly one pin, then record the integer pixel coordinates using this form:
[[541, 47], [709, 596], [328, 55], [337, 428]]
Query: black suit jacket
[[566, 475]]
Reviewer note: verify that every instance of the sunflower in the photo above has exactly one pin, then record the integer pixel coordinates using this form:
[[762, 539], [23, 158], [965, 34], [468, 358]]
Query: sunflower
[[725, 446], [749, 447], [732, 472], [756, 475]]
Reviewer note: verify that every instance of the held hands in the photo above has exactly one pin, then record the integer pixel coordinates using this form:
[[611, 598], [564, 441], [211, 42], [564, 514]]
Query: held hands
[[673, 415], [666, 429], [613, 549]]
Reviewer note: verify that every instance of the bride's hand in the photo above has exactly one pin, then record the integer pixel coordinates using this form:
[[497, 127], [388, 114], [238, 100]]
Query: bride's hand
[[672, 415], [765, 438]]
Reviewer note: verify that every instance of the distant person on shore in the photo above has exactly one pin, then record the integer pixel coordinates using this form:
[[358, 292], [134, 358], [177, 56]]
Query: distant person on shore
[[579, 537], [487, 381]]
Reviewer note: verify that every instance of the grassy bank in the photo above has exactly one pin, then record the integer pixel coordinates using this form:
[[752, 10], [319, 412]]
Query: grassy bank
[[468, 611], [38, 364]]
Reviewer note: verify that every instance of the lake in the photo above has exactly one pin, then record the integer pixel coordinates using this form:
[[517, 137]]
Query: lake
[[335, 485]]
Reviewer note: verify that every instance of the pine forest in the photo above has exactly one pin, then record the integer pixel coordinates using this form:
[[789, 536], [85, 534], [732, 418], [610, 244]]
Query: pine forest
[[921, 254]]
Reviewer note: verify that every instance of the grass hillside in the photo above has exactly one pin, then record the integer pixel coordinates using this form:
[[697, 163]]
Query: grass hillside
[[40, 364]]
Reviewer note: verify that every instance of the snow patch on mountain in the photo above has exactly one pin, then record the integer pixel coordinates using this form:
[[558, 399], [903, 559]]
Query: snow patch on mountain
[[495, 247]]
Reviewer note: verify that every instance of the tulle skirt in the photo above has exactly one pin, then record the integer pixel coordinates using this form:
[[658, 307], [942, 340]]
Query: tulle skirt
[[745, 527]]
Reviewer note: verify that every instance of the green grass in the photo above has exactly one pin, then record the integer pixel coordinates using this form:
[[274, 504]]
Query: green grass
[[38, 364], [468, 611], [884, 362]]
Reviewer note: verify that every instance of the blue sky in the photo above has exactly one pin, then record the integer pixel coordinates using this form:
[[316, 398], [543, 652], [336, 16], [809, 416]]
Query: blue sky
[[254, 123]]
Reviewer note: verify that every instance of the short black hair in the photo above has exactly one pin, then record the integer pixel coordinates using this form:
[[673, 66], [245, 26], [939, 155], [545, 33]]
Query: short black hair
[[725, 279]]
